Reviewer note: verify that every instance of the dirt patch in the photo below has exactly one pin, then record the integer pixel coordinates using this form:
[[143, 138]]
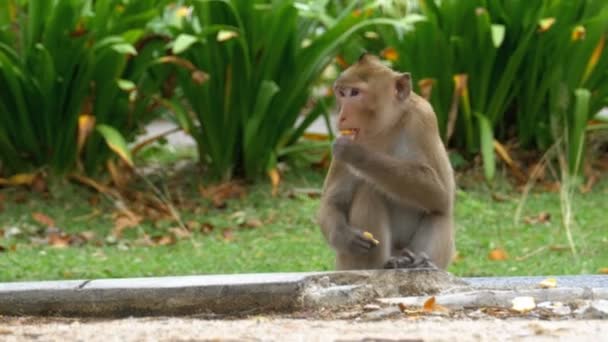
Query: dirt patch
[[290, 329]]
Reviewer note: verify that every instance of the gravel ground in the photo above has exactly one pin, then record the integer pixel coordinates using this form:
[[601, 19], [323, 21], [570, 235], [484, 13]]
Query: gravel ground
[[281, 329]]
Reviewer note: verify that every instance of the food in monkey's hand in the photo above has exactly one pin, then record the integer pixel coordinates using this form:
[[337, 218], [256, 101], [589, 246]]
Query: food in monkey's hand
[[370, 237]]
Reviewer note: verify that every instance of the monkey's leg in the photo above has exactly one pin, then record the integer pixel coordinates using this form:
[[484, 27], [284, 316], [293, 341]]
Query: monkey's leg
[[368, 213], [431, 246]]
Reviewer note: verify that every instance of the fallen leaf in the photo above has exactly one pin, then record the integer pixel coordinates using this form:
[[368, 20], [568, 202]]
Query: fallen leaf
[[603, 270], [498, 197], [164, 240], [457, 257], [120, 175], [180, 233], [498, 254], [192, 225], [87, 235], [523, 304], [19, 179], [548, 283], [59, 240], [206, 228], [430, 305], [542, 217], [218, 194], [253, 223], [124, 221], [39, 184], [559, 248], [228, 235], [43, 219], [94, 200], [2, 249]]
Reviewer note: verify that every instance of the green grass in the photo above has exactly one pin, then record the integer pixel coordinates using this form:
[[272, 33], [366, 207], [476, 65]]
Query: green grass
[[289, 240]]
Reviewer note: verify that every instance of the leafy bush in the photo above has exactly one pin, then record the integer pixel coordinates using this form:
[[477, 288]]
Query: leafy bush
[[62, 61], [488, 66], [262, 58]]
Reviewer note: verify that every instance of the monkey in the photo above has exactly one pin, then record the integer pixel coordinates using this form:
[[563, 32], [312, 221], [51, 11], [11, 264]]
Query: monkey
[[388, 197]]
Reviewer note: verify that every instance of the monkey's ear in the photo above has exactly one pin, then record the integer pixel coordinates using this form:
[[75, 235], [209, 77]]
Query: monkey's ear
[[368, 57], [403, 85], [364, 56]]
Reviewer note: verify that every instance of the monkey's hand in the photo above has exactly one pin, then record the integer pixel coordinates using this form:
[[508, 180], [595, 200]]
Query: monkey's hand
[[352, 241], [409, 259], [348, 151]]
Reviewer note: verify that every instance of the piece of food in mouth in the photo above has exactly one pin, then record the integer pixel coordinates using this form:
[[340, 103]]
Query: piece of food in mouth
[[351, 132], [370, 237]]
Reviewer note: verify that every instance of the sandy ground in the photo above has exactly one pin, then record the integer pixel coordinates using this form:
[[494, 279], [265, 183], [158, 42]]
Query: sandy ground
[[280, 329]]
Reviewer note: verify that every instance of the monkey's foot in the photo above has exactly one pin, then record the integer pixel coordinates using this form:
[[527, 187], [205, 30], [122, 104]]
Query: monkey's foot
[[409, 259]]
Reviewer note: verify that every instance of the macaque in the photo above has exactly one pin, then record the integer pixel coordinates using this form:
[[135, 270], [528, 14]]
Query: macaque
[[388, 196]]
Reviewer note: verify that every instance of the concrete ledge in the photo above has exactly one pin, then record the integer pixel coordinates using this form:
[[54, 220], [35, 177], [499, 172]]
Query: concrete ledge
[[242, 294], [213, 294]]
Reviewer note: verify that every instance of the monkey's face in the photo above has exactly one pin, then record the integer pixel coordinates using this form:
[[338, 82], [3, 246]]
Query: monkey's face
[[369, 95]]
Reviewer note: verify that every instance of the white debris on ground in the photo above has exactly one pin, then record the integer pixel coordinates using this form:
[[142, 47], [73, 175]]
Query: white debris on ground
[[271, 329]]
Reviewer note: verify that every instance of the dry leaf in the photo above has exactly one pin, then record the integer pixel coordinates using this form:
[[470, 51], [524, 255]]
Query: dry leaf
[[548, 283], [206, 228], [457, 257], [523, 304], [180, 233], [253, 223], [192, 225], [19, 179], [124, 221], [227, 235], [59, 240], [39, 184], [559, 248], [218, 194], [542, 217], [120, 175], [43, 219], [603, 270], [87, 235], [498, 254], [430, 305], [164, 240]]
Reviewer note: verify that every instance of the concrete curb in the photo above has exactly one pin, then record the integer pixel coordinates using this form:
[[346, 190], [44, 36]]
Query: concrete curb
[[213, 294], [241, 294]]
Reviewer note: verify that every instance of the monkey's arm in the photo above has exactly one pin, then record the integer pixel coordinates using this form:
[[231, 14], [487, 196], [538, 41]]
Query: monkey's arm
[[336, 201], [410, 182]]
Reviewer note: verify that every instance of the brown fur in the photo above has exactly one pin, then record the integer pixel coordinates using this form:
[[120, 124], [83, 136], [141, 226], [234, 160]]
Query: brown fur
[[394, 180]]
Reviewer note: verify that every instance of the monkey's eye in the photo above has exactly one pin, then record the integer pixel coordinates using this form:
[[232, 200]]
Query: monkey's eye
[[354, 92]]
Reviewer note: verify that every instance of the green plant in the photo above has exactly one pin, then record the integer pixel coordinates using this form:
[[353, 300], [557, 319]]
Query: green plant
[[62, 60], [515, 63], [262, 58]]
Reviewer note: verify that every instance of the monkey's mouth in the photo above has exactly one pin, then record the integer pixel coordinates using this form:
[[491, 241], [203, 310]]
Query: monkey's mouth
[[350, 132]]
